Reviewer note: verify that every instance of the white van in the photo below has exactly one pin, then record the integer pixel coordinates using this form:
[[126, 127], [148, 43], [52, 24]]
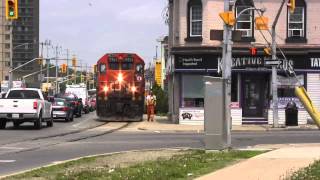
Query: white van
[[81, 91]]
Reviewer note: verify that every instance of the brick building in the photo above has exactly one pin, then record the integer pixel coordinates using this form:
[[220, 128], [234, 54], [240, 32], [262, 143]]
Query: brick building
[[195, 49]]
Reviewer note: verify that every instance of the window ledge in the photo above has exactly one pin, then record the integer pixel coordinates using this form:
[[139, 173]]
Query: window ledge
[[296, 40], [244, 39], [193, 39]]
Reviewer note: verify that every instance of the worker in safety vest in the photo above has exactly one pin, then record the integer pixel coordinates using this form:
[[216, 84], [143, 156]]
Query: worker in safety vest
[[151, 105]]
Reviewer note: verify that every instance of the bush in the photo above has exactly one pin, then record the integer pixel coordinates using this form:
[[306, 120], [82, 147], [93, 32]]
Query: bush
[[162, 100]]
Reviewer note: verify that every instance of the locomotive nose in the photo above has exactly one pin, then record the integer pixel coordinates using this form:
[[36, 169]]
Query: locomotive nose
[[120, 78]]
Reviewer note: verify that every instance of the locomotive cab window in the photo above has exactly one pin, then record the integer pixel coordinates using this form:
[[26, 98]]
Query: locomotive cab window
[[103, 68], [127, 65], [139, 68], [114, 65]]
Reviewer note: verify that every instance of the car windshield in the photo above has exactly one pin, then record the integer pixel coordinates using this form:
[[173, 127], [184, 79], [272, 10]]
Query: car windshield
[[23, 94]]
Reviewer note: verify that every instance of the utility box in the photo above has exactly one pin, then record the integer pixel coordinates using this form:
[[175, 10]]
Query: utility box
[[214, 114]]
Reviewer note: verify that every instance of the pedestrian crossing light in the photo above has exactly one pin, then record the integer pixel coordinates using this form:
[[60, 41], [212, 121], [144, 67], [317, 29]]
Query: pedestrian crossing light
[[292, 6], [228, 18], [11, 9], [253, 51]]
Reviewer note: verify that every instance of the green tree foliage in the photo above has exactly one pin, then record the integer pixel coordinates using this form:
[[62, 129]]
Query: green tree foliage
[[162, 100]]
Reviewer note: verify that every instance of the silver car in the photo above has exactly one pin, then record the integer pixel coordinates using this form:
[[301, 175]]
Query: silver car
[[62, 109]]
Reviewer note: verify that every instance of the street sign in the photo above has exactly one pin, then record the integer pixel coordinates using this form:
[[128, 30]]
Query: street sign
[[272, 62]]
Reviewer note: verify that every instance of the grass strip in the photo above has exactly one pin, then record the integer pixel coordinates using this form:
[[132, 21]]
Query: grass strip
[[312, 172], [188, 165]]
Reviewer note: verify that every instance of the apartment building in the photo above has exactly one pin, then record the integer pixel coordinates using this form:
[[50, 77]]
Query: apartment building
[[22, 36], [195, 50]]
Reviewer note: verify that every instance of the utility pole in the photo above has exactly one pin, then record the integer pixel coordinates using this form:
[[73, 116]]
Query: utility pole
[[226, 74], [41, 62], [48, 43], [68, 65], [57, 69], [274, 69]]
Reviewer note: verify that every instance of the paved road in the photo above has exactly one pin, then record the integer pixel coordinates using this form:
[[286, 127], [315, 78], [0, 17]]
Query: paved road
[[26, 131], [34, 153], [25, 148]]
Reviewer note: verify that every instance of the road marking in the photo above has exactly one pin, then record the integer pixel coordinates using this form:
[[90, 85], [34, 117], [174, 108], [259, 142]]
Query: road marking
[[12, 148], [7, 161]]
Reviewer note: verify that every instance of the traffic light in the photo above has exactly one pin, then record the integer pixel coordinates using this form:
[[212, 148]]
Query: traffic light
[[40, 61], [74, 61], [267, 51], [262, 23], [11, 9], [81, 78], [64, 68], [228, 18], [253, 51], [95, 68], [292, 6]]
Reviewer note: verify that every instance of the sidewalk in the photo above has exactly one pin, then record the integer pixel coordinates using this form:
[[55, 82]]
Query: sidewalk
[[162, 124], [276, 164]]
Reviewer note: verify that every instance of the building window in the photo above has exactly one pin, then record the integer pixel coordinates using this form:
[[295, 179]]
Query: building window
[[7, 46], [245, 23], [194, 20], [297, 23], [192, 91]]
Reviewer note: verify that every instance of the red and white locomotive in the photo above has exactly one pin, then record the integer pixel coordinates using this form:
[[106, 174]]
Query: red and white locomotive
[[120, 87]]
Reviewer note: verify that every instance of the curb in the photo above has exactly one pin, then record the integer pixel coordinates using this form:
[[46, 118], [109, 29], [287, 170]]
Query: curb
[[92, 156]]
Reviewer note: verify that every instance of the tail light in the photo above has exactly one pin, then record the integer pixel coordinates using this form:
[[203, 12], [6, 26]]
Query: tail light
[[65, 108], [35, 105]]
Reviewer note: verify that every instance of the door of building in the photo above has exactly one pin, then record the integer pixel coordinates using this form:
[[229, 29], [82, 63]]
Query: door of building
[[254, 95]]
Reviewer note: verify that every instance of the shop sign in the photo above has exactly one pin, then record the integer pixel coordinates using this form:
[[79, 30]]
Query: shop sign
[[290, 81], [210, 61], [283, 101], [191, 114]]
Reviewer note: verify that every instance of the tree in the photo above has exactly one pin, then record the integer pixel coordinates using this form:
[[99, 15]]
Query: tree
[[162, 99]]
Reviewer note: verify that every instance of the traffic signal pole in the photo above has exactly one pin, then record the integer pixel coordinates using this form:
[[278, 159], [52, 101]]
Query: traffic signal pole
[[226, 75], [274, 69]]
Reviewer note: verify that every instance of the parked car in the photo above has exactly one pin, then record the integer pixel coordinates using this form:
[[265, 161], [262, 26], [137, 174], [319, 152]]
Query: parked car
[[62, 109], [74, 101], [25, 105], [92, 101]]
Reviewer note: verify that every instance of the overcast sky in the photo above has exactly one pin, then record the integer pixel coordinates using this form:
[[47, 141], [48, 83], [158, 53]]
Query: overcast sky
[[91, 28]]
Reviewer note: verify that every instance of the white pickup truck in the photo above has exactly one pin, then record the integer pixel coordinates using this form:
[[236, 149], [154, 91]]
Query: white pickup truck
[[25, 105]]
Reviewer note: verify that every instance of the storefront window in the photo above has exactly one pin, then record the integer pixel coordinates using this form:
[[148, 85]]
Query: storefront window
[[192, 91], [234, 88]]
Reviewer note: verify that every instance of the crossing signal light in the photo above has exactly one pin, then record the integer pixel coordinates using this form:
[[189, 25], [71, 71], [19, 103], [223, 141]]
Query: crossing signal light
[[228, 18], [292, 6], [253, 51], [11, 9]]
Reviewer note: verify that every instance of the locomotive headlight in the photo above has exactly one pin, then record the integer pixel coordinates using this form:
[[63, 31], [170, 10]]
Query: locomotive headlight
[[133, 89], [106, 89], [120, 78]]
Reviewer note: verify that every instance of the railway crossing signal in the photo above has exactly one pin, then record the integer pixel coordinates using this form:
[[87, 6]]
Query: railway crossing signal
[[11, 9]]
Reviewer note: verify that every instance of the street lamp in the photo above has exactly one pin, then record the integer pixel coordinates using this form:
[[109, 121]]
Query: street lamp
[[11, 62]]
